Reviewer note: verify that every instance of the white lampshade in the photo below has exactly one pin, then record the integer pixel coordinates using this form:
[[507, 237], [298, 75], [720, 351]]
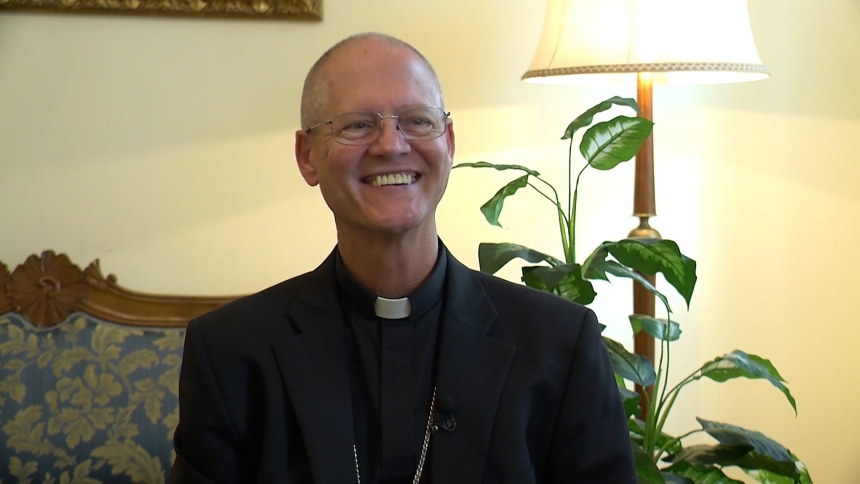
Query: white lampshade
[[680, 42]]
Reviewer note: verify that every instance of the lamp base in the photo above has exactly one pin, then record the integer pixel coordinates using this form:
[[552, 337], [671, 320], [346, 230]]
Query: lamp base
[[644, 230]]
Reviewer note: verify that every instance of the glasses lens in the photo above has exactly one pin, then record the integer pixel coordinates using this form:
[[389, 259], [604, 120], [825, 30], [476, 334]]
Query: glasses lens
[[422, 123], [355, 128], [362, 128]]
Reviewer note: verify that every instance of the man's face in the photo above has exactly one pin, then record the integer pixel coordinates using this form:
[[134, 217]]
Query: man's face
[[370, 75]]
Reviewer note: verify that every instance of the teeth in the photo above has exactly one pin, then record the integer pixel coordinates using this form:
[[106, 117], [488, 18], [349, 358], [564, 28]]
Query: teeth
[[394, 179]]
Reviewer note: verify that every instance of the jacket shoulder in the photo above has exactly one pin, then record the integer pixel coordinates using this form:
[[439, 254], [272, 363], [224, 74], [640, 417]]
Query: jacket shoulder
[[529, 318], [272, 298], [510, 296], [253, 313]]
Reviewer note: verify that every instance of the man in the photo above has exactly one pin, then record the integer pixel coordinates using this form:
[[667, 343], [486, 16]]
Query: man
[[392, 362]]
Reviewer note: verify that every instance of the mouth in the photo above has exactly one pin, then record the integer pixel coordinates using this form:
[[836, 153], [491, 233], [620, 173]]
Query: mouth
[[392, 179]]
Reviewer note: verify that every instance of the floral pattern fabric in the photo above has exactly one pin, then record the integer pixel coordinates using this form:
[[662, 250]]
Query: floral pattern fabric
[[87, 401]]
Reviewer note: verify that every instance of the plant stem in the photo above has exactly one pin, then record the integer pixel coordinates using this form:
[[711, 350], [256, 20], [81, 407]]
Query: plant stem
[[572, 224], [562, 221], [666, 407], [554, 192], [667, 329], [672, 442], [688, 379], [571, 203], [556, 203], [650, 425], [656, 417]]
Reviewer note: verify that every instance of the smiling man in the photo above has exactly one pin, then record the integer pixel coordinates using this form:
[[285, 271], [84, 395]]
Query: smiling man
[[392, 362]]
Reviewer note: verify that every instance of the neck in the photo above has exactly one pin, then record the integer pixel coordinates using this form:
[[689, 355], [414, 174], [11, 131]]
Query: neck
[[390, 267]]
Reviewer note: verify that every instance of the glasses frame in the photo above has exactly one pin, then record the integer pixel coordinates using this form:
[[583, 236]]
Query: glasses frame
[[382, 119]]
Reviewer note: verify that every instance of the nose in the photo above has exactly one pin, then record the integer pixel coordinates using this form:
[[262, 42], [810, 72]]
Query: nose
[[395, 121], [390, 142]]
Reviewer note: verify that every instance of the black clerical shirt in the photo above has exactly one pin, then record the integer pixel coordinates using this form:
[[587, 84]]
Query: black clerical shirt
[[392, 374]]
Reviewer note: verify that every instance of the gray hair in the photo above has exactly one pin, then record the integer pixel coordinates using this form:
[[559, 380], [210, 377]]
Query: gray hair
[[315, 90]]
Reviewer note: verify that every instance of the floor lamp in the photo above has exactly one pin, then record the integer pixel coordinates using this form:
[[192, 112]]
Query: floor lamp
[[645, 43]]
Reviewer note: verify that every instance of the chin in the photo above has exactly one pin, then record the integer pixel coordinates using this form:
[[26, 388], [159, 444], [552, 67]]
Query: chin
[[401, 224]]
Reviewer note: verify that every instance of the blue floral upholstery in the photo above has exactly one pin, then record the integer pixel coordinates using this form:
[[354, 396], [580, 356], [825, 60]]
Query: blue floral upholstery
[[87, 401]]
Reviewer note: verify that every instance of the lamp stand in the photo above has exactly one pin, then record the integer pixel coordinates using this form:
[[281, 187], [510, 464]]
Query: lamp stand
[[644, 207]]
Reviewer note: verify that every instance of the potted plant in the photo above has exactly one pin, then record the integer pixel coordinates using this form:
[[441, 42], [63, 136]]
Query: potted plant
[[660, 458]]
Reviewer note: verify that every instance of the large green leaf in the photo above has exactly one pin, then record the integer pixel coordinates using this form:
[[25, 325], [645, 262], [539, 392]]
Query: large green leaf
[[636, 427], [662, 329], [492, 257], [646, 469], [587, 117], [607, 144], [635, 368], [754, 460], [651, 256], [594, 266], [631, 401], [708, 455], [493, 208], [599, 267], [669, 443], [706, 475], [731, 435], [676, 479], [564, 280], [767, 477], [738, 364], [574, 288], [500, 167], [664, 439]]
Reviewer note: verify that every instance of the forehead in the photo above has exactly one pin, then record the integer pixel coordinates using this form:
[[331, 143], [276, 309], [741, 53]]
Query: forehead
[[378, 75]]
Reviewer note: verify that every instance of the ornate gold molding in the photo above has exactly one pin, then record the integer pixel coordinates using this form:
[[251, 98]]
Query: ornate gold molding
[[46, 289], [272, 9]]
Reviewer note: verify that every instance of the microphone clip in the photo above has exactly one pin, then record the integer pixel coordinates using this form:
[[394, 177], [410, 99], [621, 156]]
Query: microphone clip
[[448, 425]]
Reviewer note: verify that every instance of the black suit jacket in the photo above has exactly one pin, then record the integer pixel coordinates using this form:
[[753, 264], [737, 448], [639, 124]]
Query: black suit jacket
[[265, 396]]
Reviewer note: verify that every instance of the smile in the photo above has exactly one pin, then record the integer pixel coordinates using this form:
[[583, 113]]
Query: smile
[[393, 179]]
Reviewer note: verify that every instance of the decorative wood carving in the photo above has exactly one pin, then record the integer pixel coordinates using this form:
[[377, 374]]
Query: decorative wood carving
[[5, 302], [46, 289], [271, 9]]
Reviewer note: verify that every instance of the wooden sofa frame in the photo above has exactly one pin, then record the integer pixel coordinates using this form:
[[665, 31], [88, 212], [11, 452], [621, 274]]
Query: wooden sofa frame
[[46, 289]]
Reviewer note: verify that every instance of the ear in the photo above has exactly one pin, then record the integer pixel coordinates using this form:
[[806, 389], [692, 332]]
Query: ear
[[449, 136], [304, 146]]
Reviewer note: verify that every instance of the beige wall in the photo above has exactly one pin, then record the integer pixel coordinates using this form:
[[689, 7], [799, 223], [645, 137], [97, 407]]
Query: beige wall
[[164, 148]]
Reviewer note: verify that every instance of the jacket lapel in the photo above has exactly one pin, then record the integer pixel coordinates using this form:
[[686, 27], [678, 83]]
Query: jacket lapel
[[472, 369], [314, 369]]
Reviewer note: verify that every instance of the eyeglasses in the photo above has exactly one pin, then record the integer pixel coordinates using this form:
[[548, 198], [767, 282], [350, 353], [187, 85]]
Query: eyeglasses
[[420, 123]]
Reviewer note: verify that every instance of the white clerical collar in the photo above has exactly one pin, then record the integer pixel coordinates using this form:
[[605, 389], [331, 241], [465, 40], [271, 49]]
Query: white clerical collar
[[393, 308]]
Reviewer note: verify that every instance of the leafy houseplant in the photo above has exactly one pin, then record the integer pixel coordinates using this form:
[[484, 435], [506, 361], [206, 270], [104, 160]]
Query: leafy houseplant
[[660, 458]]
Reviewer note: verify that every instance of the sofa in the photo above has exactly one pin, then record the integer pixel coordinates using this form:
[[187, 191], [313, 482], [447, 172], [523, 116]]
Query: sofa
[[89, 374]]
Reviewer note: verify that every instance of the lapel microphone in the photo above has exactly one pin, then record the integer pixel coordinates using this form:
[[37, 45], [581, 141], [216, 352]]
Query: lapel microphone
[[445, 407]]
